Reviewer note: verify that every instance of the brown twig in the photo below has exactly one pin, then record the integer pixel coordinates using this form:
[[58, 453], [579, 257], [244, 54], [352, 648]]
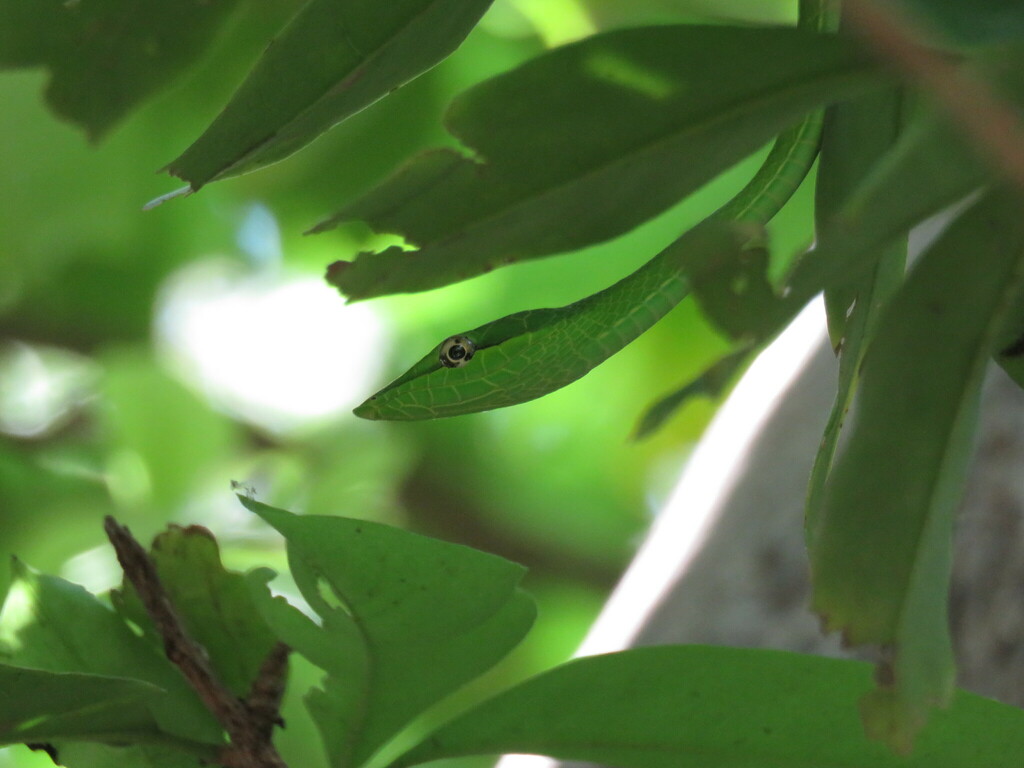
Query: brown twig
[[248, 723], [991, 124]]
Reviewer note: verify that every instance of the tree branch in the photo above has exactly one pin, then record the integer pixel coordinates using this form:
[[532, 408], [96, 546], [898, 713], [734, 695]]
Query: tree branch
[[249, 724]]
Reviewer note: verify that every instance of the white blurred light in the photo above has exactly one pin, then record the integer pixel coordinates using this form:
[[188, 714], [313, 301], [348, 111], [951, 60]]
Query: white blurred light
[[282, 352], [260, 237], [95, 569], [40, 386]]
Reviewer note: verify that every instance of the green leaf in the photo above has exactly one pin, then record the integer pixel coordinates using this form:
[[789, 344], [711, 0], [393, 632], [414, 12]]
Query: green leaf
[[711, 383], [1010, 343], [927, 170], [216, 606], [50, 624], [978, 21], [331, 61], [856, 134], [38, 705], [90, 755], [105, 56], [419, 617], [701, 706], [586, 142], [880, 553]]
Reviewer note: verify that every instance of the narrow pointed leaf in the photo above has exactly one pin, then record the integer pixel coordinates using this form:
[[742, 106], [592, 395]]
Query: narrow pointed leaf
[[699, 706], [331, 61], [711, 383], [106, 57], [880, 552], [856, 134], [586, 142], [928, 170], [419, 617]]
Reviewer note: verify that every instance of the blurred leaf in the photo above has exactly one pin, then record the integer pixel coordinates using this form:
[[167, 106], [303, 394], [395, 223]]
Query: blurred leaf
[[927, 170], [711, 383], [216, 606], [328, 63], [586, 142], [158, 425], [419, 617], [1010, 343], [880, 552], [50, 624], [979, 21], [39, 705], [734, 293], [87, 755], [105, 56], [698, 706], [856, 134]]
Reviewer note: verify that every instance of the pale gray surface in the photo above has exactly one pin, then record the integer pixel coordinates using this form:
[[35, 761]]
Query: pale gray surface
[[748, 586]]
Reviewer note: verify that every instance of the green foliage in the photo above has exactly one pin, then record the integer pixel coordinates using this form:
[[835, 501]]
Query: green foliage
[[403, 621], [881, 550], [52, 625], [216, 606], [696, 706], [329, 63], [521, 357], [574, 147], [588, 141], [858, 134], [407, 620], [105, 57], [39, 705]]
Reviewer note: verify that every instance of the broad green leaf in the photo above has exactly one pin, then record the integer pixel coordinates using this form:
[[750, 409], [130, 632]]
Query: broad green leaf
[[703, 706], [105, 56], [50, 624], [586, 142], [880, 552], [216, 606], [418, 618], [331, 61], [38, 705], [856, 134], [711, 383]]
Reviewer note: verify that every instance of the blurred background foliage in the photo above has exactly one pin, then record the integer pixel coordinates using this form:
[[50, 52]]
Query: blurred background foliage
[[147, 359]]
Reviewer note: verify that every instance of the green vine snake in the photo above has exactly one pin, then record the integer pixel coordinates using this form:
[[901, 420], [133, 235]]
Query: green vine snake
[[529, 354]]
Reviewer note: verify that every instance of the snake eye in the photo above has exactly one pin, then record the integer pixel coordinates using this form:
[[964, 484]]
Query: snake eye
[[456, 351]]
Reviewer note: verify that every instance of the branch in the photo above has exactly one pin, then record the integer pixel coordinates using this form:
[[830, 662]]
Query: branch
[[248, 723]]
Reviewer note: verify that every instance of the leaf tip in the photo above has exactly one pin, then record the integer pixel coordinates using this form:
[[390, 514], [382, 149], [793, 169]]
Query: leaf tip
[[158, 201]]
